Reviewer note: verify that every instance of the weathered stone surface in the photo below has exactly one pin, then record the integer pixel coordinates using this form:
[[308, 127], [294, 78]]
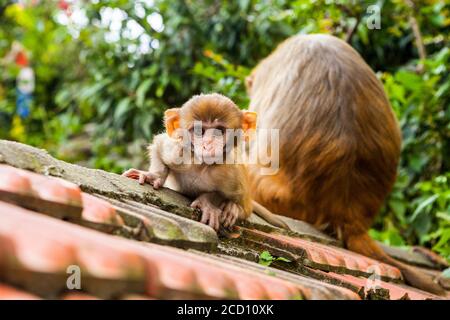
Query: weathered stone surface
[[299, 229], [408, 256], [436, 259], [193, 230], [168, 228]]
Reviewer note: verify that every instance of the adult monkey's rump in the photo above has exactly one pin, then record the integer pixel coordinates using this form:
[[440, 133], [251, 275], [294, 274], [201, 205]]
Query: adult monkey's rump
[[339, 141]]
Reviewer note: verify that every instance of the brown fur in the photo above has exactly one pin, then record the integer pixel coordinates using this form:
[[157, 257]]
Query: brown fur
[[208, 107], [339, 140]]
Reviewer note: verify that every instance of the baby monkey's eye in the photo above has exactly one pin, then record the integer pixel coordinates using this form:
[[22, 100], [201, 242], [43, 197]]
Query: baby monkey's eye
[[221, 129], [197, 131]]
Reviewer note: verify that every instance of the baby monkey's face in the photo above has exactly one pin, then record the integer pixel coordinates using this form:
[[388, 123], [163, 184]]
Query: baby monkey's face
[[212, 124], [208, 139]]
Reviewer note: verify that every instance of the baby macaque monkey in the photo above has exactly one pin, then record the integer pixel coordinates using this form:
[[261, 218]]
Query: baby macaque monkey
[[199, 156]]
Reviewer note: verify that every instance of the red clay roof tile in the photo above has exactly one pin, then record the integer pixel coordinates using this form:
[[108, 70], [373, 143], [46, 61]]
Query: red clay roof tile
[[46, 245], [99, 211], [40, 255], [78, 296], [11, 293], [101, 256], [396, 291], [48, 195], [12, 181], [324, 257], [310, 288], [273, 287], [48, 188]]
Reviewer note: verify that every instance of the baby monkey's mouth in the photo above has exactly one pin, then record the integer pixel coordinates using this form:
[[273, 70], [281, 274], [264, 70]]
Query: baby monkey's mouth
[[212, 156], [209, 152]]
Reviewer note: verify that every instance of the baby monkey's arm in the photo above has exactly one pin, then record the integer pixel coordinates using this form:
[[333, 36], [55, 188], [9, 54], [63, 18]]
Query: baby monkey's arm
[[158, 171]]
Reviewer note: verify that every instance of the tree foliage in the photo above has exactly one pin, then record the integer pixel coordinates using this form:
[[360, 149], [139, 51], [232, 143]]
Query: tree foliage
[[102, 84]]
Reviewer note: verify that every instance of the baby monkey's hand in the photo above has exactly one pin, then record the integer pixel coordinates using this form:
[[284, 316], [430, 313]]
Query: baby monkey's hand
[[156, 180], [230, 213], [207, 203]]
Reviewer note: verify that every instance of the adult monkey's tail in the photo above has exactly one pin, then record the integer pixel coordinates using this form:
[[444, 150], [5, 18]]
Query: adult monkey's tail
[[365, 245], [267, 215]]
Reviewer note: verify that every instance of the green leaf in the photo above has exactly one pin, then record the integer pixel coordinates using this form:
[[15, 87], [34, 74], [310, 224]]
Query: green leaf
[[122, 108], [283, 259], [265, 255], [399, 208], [443, 215], [265, 258], [422, 206], [409, 80], [141, 91], [160, 91], [104, 107]]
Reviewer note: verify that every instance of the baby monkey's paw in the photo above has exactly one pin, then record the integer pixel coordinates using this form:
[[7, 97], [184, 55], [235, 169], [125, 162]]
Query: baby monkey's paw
[[145, 177], [210, 213], [230, 213]]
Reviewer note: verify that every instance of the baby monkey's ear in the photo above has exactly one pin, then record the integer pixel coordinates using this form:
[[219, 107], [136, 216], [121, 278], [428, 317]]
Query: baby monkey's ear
[[249, 120], [249, 83], [172, 120], [249, 123]]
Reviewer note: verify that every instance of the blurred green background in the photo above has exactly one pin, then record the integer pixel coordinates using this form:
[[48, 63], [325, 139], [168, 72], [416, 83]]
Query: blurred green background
[[106, 70]]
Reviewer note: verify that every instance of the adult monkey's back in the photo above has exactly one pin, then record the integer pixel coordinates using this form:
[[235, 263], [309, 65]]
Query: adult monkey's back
[[339, 141]]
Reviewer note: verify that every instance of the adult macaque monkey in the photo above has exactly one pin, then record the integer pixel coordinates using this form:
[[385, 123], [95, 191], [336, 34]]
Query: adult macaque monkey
[[198, 156], [339, 141]]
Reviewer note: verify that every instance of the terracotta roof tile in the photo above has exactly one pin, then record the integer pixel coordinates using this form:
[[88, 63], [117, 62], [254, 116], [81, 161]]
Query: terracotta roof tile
[[78, 296], [8, 292], [99, 211], [43, 245], [11, 293], [56, 197], [48, 188], [324, 257], [103, 258], [236, 281], [310, 288], [39, 255], [396, 291], [135, 297], [13, 181], [49, 195], [56, 190]]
